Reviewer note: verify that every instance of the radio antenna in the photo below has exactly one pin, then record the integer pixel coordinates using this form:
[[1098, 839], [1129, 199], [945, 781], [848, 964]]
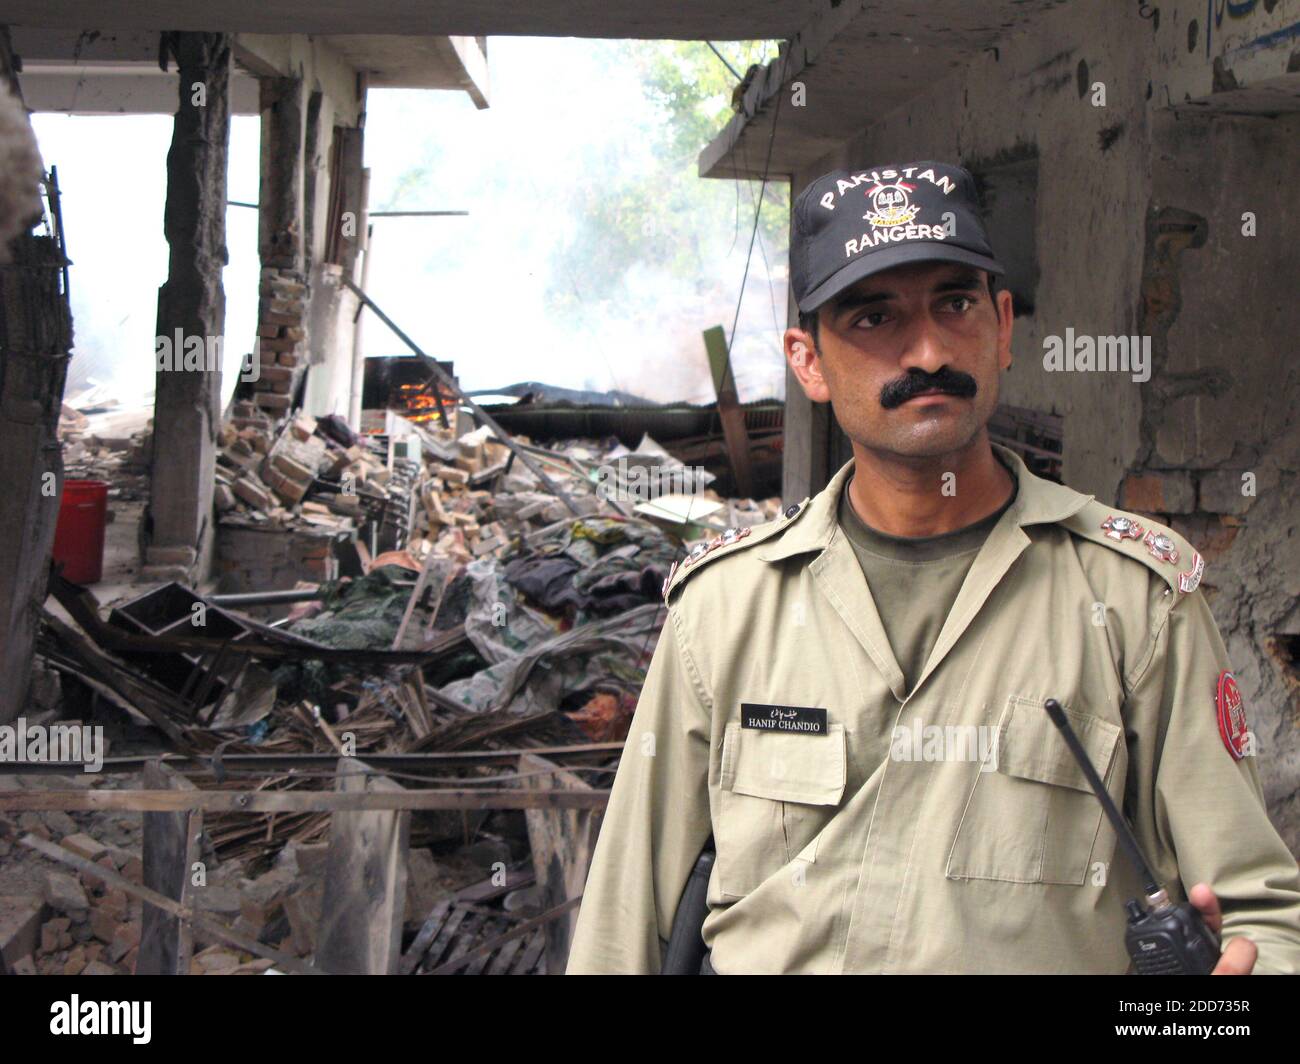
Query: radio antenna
[[1057, 714]]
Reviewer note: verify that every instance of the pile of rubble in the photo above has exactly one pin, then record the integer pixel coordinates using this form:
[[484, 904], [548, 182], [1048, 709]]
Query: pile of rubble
[[427, 491], [264, 475], [320, 474], [92, 451], [56, 921], [455, 592], [528, 577], [65, 923]]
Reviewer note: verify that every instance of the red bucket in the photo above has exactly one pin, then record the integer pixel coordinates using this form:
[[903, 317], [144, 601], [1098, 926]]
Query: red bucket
[[79, 535]]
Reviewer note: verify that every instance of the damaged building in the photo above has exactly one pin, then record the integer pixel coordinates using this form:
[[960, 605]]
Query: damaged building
[[361, 617]]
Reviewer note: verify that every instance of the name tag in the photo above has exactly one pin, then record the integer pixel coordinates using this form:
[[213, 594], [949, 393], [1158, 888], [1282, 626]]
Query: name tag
[[806, 720]]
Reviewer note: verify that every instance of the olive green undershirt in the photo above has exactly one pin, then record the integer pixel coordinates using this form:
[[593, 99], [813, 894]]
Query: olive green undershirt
[[914, 581]]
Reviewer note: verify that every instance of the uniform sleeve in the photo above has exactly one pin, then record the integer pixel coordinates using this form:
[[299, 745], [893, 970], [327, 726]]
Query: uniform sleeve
[[655, 825], [1206, 809]]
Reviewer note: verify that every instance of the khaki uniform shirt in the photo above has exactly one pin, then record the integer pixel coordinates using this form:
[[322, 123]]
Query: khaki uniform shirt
[[945, 829]]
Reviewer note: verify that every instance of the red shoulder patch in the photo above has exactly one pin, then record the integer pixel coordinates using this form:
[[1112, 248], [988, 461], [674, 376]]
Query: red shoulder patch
[[1232, 715]]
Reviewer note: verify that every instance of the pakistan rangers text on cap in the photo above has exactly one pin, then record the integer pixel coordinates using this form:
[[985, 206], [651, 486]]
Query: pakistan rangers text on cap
[[849, 224]]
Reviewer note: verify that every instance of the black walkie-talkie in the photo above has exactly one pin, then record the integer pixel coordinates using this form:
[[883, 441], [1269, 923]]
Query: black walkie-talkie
[[1162, 938]]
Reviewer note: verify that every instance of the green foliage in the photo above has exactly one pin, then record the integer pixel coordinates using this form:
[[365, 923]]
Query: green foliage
[[661, 215], [692, 85]]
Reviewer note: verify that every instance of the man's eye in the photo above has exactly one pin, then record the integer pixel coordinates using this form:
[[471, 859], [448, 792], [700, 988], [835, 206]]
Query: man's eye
[[871, 319], [961, 304]]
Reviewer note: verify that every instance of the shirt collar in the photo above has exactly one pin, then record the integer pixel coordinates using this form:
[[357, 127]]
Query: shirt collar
[[1038, 502]]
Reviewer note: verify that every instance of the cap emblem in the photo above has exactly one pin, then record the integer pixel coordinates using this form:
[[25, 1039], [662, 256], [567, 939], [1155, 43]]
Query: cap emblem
[[890, 204]]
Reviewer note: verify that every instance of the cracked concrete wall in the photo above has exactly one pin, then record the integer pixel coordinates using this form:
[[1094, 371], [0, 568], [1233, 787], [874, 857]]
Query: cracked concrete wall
[[1032, 97], [1222, 421], [1138, 231]]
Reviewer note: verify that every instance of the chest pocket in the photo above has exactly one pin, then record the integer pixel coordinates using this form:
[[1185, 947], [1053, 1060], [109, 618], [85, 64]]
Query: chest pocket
[[777, 792], [1034, 819]]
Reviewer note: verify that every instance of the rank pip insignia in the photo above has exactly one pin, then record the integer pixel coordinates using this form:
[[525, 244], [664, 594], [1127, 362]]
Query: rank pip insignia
[[728, 537], [669, 579], [1121, 528], [1161, 546], [1232, 715]]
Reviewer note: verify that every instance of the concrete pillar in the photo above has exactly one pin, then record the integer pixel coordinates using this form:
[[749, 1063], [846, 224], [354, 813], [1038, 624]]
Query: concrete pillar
[[333, 309], [191, 310], [283, 289], [358, 316], [35, 339], [352, 199], [280, 199]]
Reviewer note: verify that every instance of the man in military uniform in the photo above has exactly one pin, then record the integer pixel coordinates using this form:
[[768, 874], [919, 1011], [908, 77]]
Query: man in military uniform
[[850, 699]]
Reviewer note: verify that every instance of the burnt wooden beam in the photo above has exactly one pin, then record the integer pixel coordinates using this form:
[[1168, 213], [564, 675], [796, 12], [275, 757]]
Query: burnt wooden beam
[[169, 849], [364, 897], [153, 702], [274, 763], [562, 840], [297, 801], [729, 410]]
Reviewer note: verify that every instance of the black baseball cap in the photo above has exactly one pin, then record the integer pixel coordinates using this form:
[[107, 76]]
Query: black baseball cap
[[849, 224]]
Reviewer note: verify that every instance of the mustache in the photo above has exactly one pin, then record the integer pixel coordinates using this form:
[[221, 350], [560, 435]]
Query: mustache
[[916, 381]]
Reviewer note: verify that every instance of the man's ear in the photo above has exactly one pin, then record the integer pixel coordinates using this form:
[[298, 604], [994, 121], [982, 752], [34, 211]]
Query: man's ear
[[1005, 317], [806, 364]]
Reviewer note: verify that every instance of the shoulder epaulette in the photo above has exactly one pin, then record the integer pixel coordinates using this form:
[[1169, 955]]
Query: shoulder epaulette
[[730, 541], [1146, 541]]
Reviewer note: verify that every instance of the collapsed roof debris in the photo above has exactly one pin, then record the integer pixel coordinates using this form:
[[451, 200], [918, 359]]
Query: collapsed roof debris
[[485, 607], [102, 441]]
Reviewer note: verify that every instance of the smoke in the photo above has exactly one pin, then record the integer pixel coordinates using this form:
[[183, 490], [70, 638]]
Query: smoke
[[508, 293], [113, 180]]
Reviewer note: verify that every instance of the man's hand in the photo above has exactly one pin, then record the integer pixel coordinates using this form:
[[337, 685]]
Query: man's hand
[[1239, 956]]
